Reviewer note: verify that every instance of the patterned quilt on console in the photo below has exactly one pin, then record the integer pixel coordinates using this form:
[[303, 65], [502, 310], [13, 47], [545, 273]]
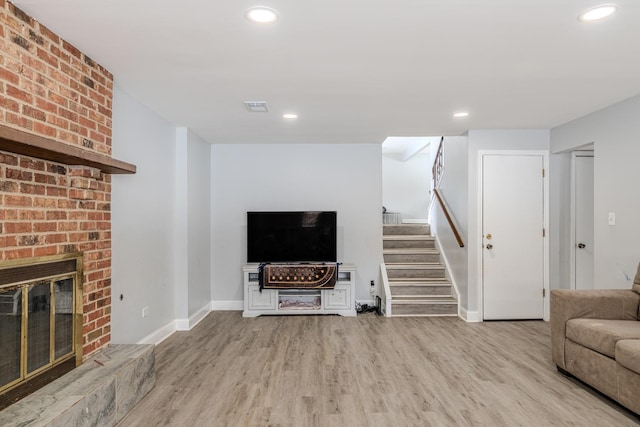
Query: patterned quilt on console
[[298, 276]]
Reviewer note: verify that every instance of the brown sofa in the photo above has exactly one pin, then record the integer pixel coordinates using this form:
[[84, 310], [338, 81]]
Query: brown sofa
[[595, 336]]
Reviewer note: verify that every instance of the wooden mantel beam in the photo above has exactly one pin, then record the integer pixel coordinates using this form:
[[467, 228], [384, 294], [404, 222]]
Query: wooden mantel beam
[[20, 142]]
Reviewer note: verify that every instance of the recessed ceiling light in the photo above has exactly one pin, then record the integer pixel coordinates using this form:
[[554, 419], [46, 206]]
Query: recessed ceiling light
[[261, 15], [461, 114], [290, 116], [598, 12]]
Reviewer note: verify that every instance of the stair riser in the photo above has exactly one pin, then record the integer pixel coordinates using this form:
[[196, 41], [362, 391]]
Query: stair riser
[[420, 290], [424, 309], [405, 230], [415, 273], [404, 244], [408, 258]]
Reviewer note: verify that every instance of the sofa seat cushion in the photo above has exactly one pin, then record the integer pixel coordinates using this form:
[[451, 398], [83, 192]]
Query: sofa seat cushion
[[628, 354], [602, 335]]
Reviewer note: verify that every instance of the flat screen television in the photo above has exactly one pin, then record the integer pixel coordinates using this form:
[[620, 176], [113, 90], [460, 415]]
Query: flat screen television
[[291, 236]]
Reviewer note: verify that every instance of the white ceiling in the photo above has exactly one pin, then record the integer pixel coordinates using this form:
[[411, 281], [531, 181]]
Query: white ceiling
[[357, 71]]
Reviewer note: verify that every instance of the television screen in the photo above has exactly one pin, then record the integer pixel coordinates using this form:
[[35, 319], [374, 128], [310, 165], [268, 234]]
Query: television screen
[[291, 236]]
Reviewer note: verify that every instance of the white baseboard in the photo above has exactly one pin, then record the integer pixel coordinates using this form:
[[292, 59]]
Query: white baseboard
[[159, 335], [194, 319], [177, 325], [182, 324], [469, 316], [197, 317], [227, 305]]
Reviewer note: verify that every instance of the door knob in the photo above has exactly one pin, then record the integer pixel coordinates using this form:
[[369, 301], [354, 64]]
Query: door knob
[[582, 245], [489, 246]]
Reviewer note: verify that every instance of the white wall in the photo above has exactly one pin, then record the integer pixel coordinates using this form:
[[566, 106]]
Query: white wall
[[537, 139], [454, 190], [192, 251], [406, 183], [559, 220], [615, 131], [180, 226], [142, 217], [199, 222], [161, 226], [345, 178]]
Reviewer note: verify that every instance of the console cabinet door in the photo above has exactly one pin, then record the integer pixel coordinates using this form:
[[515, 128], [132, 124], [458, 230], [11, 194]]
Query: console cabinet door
[[265, 300], [338, 298]]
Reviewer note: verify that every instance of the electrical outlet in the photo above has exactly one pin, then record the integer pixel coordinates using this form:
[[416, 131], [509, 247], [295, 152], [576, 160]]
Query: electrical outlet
[[145, 311]]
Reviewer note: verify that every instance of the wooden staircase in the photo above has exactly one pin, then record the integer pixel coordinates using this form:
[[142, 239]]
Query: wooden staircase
[[417, 278]]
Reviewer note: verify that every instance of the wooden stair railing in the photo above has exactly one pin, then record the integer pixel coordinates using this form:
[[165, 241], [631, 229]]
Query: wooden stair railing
[[449, 220], [438, 166]]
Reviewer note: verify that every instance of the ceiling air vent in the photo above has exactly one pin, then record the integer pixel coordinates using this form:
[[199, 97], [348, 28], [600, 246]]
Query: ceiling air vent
[[256, 106]]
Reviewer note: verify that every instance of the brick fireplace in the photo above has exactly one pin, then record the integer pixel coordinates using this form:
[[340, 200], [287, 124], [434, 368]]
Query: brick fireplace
[[51, 90]]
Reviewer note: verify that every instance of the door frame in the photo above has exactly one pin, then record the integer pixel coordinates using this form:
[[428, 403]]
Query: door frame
[[572, 227], [545, 201]]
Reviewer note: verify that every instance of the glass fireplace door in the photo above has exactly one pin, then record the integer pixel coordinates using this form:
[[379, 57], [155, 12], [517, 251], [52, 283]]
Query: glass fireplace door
[[11, 333], [38, 337]]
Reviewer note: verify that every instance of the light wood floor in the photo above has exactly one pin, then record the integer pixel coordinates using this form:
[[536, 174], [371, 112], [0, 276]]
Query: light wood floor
[[365, 371]]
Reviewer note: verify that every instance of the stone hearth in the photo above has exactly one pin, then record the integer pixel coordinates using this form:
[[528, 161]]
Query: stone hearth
[[99, 392]]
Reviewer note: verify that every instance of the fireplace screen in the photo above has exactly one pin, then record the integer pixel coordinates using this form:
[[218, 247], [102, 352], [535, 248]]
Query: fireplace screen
[[40, 323]]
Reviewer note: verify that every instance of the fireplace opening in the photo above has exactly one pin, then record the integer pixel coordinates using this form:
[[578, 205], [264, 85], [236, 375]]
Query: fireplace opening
[[40, 323]]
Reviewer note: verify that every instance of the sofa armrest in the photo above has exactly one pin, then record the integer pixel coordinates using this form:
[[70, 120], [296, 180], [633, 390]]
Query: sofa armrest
[[614, 304]]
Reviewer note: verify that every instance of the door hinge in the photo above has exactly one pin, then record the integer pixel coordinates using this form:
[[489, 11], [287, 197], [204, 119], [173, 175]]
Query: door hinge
[[543, 173], [544, 233], [544, 292]]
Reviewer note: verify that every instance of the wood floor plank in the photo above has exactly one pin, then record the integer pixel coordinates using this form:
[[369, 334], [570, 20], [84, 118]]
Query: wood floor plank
[[365, 371]]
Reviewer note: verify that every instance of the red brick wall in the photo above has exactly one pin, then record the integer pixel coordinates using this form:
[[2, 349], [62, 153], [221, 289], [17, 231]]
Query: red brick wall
[[50, 88]]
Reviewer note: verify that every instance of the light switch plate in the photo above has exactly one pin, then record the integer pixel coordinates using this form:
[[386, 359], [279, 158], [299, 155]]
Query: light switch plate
[[612, 218]]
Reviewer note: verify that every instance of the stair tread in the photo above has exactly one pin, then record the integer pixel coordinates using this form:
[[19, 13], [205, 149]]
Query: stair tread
[[413, 298], [406, 237], [447, 297], [403, 280], [419, 284], [410, 251], [425, 315], [429, 299], [413, 265], [407, 225]]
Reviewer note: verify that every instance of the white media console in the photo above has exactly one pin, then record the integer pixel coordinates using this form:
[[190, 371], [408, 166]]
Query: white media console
[[339, 300]]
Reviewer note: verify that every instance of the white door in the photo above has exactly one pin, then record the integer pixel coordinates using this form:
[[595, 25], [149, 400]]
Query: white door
[[583, 221], [513, 242]]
